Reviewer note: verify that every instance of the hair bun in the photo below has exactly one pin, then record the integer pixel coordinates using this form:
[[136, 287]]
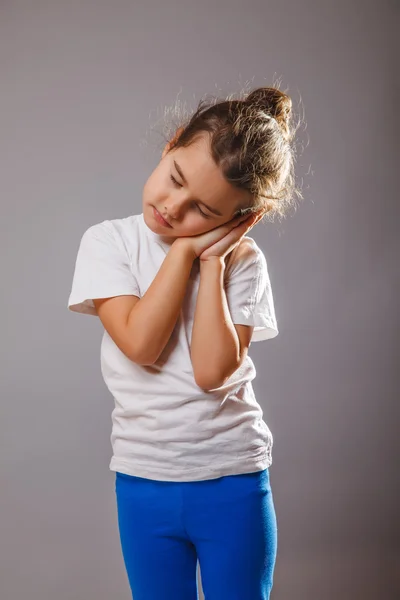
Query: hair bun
[[275, 103]]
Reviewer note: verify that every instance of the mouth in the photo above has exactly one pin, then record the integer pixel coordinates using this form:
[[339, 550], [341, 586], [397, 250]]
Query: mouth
[[160, 219]]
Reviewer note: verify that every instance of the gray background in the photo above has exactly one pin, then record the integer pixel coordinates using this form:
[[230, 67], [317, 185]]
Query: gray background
[[83, 88]]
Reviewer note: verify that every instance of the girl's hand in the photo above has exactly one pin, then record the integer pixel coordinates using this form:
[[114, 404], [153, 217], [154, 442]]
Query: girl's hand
[[220, 240], [226, 244]]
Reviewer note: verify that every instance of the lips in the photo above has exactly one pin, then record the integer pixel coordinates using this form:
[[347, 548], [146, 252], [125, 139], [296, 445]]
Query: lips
[[159, 218]]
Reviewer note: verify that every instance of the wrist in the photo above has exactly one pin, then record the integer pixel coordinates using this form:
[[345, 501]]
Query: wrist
[[213, 262], [184, 248]]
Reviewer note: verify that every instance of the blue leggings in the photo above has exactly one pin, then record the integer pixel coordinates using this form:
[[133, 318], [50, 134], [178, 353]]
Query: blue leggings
[[228, 524]]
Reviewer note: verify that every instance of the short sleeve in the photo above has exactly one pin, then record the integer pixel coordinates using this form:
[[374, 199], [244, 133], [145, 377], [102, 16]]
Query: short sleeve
[[248, 291], [102, 269]]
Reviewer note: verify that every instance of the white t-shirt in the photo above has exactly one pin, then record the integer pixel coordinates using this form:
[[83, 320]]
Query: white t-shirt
[[164, 426]]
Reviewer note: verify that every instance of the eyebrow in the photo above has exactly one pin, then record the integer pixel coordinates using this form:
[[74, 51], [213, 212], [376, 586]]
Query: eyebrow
[[213, 210]]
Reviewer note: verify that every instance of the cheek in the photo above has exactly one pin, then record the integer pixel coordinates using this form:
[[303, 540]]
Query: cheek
[[197, 226], [192, 225], [153, 191]]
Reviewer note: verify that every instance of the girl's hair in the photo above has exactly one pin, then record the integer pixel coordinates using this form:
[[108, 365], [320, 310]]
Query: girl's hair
[[251, 140]]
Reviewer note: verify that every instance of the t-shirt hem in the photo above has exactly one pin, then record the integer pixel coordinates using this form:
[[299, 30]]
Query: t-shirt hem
[[247, 464]]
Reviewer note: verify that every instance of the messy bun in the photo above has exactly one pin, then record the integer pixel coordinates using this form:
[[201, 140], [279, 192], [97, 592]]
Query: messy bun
[[275, 104]]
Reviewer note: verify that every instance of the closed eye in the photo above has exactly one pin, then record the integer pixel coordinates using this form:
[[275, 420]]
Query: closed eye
[[179, 185]]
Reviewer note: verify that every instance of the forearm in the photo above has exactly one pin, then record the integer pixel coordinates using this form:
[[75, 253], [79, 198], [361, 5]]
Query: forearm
[[152, 319], [215, 346]]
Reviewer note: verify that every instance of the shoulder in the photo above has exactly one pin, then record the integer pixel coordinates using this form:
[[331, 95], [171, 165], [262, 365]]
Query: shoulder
[[246, 253], [113, 232], [125, 227], [97, 230]]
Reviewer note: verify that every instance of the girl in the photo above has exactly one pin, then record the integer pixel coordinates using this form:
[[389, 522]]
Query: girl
[[182, 292]]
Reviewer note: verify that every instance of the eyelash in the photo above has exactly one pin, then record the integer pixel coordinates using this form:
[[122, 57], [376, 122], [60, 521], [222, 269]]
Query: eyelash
[[177, 183]]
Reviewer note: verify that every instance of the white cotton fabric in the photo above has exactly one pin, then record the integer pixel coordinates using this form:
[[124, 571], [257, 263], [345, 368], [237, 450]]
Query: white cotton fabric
[[164, 426]]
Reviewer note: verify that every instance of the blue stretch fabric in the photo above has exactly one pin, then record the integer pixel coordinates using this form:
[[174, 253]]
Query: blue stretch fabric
[[228, 524]]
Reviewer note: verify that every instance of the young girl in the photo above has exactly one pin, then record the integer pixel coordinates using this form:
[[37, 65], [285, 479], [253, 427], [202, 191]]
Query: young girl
[[182, 292]]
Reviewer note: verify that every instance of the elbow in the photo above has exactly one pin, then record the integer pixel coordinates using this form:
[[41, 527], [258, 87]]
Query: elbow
[[209, 383], [141, 360], [210, 386], [141, 357], [144, 362], [206, 388]]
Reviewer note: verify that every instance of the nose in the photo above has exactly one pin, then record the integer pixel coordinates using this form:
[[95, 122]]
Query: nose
[[172, 209]]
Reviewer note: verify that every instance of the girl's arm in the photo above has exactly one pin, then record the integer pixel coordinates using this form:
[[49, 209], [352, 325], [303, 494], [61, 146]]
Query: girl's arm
[[218, 346], [153, 317]]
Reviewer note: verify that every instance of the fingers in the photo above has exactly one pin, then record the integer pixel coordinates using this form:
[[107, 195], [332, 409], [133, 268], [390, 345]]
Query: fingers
[[246, 218], [251, 219]]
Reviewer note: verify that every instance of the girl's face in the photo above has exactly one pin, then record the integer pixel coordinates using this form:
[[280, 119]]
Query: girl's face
[[190, 192]]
